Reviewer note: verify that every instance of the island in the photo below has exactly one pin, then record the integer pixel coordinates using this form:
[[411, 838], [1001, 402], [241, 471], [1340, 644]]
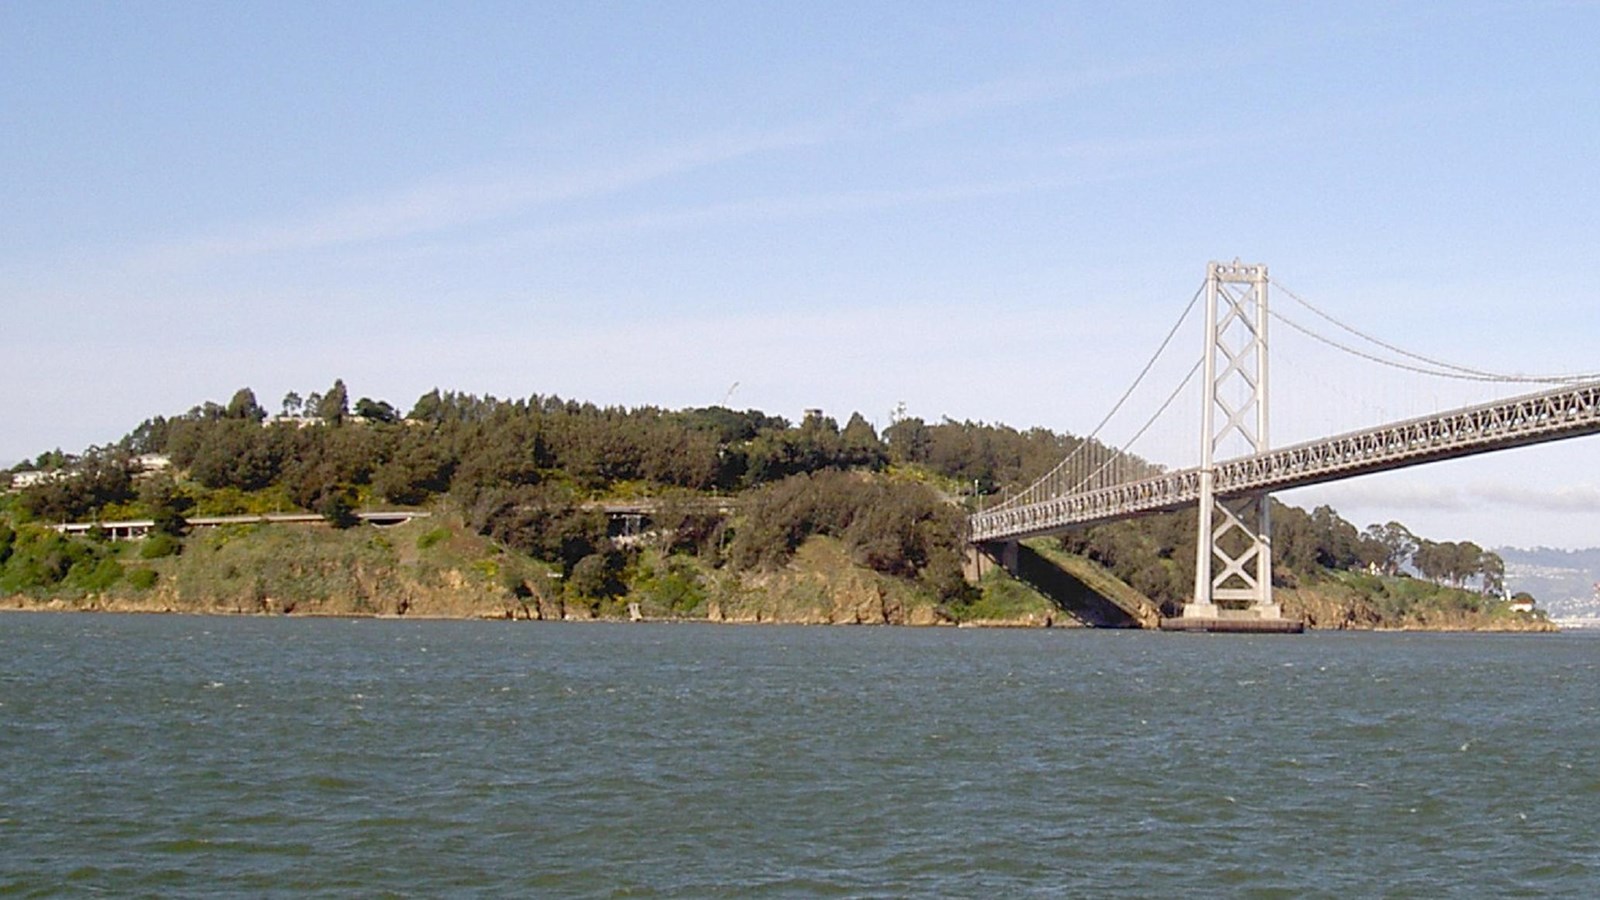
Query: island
[[544, 508]]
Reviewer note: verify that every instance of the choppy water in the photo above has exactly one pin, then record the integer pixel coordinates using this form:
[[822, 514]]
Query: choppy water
[[173, 756]]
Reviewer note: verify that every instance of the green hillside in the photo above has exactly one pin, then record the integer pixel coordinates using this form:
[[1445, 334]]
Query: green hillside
[[735, 515]]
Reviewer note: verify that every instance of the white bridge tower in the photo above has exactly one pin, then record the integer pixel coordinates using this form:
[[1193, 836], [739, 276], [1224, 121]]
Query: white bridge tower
[[1233, 564]]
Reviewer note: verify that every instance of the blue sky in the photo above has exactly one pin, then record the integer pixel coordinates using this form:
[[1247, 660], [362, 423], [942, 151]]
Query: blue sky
[[982, 213]]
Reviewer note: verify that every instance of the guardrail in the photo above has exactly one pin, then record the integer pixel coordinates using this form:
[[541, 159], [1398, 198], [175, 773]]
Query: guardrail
[[137, 528]]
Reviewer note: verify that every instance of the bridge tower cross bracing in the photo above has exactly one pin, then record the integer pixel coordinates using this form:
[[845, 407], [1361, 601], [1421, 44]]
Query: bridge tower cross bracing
[[1233, 561]]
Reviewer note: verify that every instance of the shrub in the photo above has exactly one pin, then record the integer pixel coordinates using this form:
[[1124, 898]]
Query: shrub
[[337, 509], [142, 579], [158, 545], [895, 528], [93, 574], [674, 585], [595, 577]]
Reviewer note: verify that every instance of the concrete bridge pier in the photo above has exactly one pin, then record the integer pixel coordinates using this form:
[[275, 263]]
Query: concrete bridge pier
[[997, 553]]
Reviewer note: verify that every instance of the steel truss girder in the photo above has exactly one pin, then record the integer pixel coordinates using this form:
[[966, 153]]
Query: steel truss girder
[[1552, 415]]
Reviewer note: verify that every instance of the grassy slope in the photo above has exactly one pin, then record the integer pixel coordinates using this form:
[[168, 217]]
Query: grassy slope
[[1098, 579]]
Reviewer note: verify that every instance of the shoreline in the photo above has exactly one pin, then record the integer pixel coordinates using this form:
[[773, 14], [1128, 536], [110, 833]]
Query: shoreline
[[59, 607]]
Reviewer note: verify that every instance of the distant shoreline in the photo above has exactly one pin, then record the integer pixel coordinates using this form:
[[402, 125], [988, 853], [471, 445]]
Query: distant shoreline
[[58, 607], [1587, 623]]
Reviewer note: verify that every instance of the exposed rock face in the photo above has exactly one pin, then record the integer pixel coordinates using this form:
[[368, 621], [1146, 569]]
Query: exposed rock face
[[822, 586], [926, 615]]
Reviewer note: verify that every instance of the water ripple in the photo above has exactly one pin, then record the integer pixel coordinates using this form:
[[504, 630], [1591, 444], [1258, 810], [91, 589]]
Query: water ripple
[[179, 756]]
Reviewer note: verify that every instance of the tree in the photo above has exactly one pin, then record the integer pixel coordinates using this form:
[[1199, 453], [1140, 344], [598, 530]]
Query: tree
[[102, 476], [292, 404], [1466, 563], [897, 528], [414, 472], [167, 505], [728, 426], [596, 577], [337, 509], [1337, 540], [335, 404], [862, 446], [428, 408], [908, 440], [1492, 569], [50, 460], [236, 453], [544, 522], [150, 437], [1431, 560], [244, 406], [1398, 545], [376, 410], [1294, 543]]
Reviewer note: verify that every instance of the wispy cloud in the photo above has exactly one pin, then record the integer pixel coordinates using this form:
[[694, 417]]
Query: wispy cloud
[[1583, 498], [447, 202], [940, 107], [937, 108], [773, 208]]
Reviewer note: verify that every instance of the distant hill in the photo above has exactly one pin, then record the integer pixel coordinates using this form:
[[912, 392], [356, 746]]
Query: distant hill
[[1563, 581]]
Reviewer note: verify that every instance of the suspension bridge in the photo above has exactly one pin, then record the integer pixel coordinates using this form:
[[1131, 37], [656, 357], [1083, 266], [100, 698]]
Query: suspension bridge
[[1238, 469]]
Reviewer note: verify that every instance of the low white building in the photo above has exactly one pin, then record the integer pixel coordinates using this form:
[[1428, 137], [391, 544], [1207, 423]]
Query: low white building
[[296, 421], [21, 480], [152, 462]]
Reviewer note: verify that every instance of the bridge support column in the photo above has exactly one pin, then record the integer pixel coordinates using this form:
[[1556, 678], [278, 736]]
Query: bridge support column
[[1005, 554], [1238, 570], [1233, 560]]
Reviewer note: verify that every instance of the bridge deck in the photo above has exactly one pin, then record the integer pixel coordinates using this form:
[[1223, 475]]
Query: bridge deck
[[1553, 415]]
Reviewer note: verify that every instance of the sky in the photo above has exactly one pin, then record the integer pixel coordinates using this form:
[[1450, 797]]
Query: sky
[[975, 211]]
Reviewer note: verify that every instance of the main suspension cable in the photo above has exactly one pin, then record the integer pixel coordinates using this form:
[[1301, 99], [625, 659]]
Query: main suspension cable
[[1123, 451], [1165, 342], [1372, 357], [1084, 443], [1461, 373]]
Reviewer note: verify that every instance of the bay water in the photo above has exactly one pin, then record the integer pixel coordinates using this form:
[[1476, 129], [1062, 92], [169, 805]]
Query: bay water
[[180, 756]]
